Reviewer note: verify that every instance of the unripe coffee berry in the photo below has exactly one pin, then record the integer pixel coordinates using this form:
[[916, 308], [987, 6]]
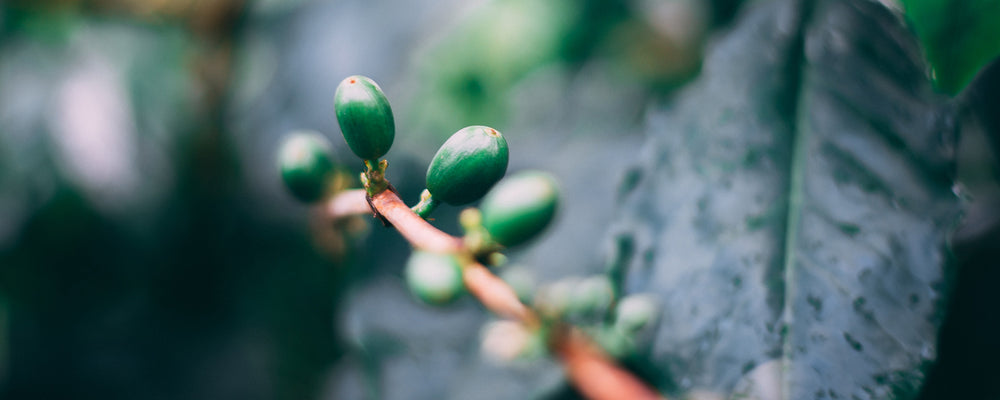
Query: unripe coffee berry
[[467, 165], [305, 160], [365, 117], [635, 312], [520, 207], [434, 278]]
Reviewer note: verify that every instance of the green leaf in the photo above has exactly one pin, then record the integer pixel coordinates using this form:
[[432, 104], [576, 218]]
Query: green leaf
[[792, 209], [959, 37]]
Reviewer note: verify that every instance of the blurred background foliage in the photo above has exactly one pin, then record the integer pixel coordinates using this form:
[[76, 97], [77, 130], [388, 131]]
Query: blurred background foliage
[[147, 249]]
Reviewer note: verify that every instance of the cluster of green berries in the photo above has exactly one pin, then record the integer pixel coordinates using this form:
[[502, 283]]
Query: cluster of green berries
[[466, 168], [621, 325], [469, 166]]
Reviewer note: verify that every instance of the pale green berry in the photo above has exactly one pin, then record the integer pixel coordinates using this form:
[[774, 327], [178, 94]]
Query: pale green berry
[[591, 296], [434, 278], [305, 160], [520, 207], [635, 312]]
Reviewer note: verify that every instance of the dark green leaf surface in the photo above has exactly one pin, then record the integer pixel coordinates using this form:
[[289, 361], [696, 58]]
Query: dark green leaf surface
[[792, 210], [959, 37]]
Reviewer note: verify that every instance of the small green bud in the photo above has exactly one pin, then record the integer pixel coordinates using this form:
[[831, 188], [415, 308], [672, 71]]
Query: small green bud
[[520, 207], [555, 299], [364, 116], [506, 341], [305, 160], [591, 296], [635, 312], [467, 165], [434, 278], [616, 343]]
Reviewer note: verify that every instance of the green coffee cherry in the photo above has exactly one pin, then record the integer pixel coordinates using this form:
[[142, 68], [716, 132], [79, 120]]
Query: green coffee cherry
[[616, 343], [556, 298], [305, 160], [434, 278], [507, 341], [575, 299], [467, 165], [591, 296], [365, 117], [635, 312], [520, 207]]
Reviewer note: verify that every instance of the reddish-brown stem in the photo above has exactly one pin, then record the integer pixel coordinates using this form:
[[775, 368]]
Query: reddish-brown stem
[[416, 230], [596, 375], [496, 294], [347, 203], [587, 366]]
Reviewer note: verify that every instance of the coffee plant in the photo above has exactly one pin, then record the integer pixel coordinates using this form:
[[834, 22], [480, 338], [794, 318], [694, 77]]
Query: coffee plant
[[585, 322]]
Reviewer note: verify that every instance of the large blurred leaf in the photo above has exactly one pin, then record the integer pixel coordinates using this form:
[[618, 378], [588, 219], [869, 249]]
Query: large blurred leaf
[[792, 210]]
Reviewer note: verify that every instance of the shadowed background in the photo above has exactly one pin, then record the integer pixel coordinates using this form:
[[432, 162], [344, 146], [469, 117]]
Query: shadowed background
[[148, 249]]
